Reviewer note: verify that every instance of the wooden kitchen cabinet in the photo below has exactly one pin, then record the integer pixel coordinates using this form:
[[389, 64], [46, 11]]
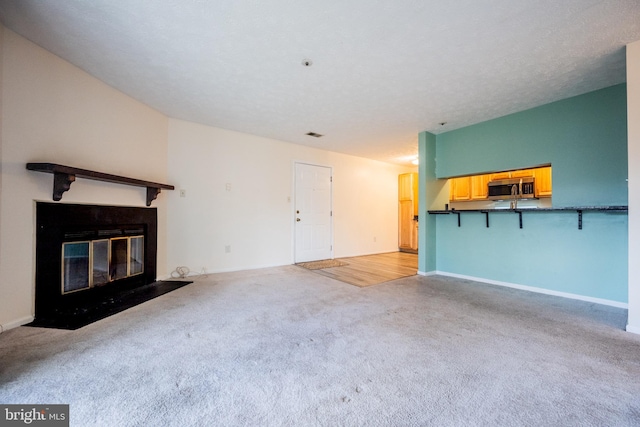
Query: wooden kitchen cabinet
[[469, 188], [522, 173], [543, 181], [480, 186], [407, 212], [500, 175], [476, 187], [460, 188], [408, 189]]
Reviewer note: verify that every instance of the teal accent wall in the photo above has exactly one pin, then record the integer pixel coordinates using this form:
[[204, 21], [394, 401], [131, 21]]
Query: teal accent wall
[[584, 138], [549, 252]]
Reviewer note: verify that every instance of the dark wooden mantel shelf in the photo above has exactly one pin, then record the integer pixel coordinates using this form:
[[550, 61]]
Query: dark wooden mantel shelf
[[63, 176]]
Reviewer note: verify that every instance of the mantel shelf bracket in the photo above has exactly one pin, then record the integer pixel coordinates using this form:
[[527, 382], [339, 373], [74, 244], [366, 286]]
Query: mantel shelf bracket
[[61, 183], [152, 194], [63, 176]]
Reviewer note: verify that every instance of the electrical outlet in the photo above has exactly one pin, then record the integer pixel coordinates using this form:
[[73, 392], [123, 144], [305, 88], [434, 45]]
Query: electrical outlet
[[228, 186], [183, 193], [227, 249]]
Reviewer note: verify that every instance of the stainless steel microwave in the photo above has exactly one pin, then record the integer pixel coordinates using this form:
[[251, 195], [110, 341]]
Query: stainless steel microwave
[[512, 188]]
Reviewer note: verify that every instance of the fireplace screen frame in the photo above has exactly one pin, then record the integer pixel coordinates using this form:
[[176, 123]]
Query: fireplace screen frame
[[134, 262]]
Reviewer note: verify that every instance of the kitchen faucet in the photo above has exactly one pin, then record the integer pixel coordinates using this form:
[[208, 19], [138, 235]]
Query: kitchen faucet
[[514, 197]]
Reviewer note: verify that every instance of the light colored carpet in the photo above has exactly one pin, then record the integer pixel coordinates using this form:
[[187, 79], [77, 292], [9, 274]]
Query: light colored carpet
[[287, 347], [319, 265]]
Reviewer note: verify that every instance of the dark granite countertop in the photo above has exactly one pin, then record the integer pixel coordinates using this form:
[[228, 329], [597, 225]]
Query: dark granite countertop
[[561, 209]]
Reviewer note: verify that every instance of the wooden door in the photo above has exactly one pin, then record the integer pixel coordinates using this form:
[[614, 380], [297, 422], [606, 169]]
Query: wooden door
[[407, 211], [406, 225]]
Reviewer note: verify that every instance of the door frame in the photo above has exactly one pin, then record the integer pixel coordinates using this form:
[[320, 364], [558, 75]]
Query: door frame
[[293, 206]]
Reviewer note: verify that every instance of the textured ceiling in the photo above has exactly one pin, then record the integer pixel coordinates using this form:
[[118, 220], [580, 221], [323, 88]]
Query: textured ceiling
[[382, 70]]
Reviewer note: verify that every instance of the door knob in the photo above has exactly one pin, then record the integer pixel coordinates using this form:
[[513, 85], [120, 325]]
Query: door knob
[[298, 219]]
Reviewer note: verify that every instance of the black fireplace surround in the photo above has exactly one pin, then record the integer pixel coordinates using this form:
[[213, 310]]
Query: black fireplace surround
[[58, 223]]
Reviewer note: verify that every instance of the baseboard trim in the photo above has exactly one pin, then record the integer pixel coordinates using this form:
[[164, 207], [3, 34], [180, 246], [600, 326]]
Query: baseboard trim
[[207, 271], [633, 329], [381, 252], [427, 273], [14, 324], [536, 290]]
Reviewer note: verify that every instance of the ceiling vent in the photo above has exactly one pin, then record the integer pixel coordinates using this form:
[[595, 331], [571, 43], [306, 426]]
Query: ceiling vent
[[313, 134]]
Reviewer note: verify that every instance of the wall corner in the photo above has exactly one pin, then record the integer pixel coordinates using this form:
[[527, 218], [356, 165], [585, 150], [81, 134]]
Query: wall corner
[[633, 153], [427, 194]]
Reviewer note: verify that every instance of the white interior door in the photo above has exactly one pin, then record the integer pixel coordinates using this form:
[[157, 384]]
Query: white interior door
[[313, 225]]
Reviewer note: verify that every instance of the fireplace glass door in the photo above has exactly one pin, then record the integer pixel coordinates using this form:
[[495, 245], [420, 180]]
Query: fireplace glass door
[[119, 258], [75, 266], [98, 262], [136, 255]]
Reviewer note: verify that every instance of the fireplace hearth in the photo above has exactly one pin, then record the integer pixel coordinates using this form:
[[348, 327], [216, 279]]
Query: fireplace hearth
[[94, 261]]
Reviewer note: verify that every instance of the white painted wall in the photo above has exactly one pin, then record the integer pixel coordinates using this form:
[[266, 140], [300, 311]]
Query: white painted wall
[[52, 111], [1, 133], [633, 126], [256, 217], [55, 112]]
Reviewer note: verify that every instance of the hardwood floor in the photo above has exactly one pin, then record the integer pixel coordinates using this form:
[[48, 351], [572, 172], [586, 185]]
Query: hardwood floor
[[373, 269]]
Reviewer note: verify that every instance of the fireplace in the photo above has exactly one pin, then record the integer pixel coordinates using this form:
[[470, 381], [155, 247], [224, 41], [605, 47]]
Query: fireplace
[[91, 261]]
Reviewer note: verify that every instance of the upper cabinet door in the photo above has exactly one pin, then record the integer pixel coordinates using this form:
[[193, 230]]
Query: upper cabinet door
[[543, 182], [460, 188], [480, 186]]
